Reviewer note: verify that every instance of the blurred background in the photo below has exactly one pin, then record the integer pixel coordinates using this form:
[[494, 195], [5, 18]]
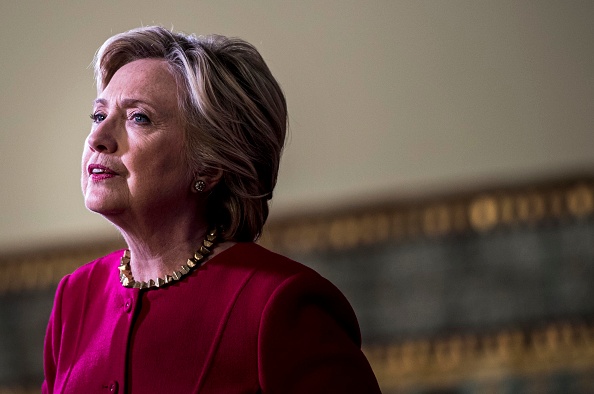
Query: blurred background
[[439, 170]]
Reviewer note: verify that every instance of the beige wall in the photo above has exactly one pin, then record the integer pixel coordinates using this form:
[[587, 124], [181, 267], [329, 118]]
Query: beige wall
[[386, 97]]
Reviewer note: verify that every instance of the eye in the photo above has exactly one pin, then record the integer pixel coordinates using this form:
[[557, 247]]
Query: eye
[[140, 118], [98, 117]]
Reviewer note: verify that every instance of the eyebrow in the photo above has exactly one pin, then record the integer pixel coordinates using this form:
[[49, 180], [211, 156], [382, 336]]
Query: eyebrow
[[125, 102]]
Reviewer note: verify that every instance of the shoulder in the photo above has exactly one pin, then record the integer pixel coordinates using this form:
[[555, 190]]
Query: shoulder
[[269, 274], [90, 286], [288, 287], [254, 271], [100, 267], [101, 271], [264, 262], [308, 335]]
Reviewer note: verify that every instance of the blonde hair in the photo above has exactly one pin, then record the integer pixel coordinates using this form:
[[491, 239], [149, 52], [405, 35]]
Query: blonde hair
[[235, 111]]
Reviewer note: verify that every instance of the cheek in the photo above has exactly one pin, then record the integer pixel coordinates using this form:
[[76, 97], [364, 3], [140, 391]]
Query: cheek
[[168, 161], [86, 153], [83, 167]]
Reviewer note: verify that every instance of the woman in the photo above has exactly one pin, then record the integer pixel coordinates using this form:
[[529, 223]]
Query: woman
[[182, 158]]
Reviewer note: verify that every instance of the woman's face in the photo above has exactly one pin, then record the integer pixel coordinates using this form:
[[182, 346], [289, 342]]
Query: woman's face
[[133, 160]]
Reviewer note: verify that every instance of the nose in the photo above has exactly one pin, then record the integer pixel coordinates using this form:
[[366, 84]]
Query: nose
[[102, 137]]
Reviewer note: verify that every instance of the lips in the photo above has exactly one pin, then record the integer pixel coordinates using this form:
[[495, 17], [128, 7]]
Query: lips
[[98, 172]]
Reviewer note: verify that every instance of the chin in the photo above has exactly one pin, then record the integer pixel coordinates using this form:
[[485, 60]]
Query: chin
[[102, 206]]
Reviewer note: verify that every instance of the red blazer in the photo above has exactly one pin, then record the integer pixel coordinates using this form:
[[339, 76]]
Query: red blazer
[[248, 321]]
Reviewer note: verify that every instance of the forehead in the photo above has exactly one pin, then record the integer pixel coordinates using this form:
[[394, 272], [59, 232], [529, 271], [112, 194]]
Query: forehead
[[144, 78]]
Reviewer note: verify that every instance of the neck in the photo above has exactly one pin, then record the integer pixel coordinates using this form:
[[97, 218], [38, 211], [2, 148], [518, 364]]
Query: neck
[[157, 247], [128, 280]]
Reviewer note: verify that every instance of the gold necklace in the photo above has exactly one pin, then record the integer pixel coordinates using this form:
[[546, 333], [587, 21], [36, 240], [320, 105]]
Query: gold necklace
[[127, 279]]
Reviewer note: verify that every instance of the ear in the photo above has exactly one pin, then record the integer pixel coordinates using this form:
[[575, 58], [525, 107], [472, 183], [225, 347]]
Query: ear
[[213, 178]]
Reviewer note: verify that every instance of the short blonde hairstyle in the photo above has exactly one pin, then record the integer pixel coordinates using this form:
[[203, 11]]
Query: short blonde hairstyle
[[235, 111]]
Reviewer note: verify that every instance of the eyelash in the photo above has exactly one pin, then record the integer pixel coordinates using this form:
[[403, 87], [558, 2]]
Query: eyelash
[[95, 117], [145, 119], [99, 117]]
